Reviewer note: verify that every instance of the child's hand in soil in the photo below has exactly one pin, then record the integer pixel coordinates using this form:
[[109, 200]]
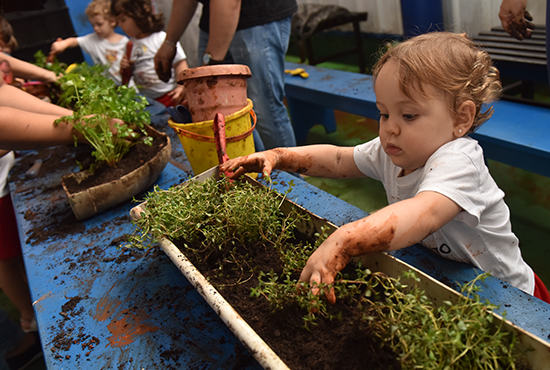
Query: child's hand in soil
[[323, 265]]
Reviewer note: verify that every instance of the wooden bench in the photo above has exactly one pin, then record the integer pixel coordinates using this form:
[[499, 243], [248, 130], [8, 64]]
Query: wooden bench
[[523, 61], [517, 134], [353, 18]]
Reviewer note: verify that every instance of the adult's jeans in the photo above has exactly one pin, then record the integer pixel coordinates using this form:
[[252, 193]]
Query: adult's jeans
[[263, 49], [11, 335]]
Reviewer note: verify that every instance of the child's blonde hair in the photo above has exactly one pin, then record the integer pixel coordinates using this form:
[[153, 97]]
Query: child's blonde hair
[[450, 62], [100, 7]]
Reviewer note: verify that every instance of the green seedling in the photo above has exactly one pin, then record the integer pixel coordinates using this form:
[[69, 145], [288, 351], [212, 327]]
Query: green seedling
[[96, 101], [462, 335]]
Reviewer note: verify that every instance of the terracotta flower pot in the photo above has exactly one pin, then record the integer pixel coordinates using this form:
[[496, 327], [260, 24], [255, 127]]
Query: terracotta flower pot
[[96, 199], [215, 89]]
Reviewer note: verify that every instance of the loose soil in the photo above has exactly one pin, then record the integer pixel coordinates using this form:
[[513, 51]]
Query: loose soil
[[51, 221], [329, 345], [137, 156], [60, 221], [338, 344]]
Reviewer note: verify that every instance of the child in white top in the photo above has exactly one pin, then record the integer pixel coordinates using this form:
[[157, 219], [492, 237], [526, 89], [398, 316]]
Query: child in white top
[[431, 92], [105, 46], [144, 27]]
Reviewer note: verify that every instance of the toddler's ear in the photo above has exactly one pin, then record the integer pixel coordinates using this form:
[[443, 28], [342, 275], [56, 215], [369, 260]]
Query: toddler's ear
[[466, 114]]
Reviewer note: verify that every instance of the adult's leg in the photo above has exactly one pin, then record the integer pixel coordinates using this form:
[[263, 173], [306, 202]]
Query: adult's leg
[[13, 278], [11, 337], [14, 284], [263, 49]]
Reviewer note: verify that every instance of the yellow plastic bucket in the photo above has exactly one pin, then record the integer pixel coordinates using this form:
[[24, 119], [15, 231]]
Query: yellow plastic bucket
[[199, 144]]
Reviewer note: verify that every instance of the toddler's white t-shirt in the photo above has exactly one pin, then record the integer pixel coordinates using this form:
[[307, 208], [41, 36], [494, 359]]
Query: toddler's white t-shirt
[[6, 163], [481, 234], [105, 52]]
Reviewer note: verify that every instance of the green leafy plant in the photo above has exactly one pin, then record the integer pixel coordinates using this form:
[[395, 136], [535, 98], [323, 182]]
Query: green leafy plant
[[462, 335], [96, 101], [54, 65], [221, 215]]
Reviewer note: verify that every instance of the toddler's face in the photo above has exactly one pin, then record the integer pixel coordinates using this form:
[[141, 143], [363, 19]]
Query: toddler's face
[[129, 26], [411, 130], [102, 26]]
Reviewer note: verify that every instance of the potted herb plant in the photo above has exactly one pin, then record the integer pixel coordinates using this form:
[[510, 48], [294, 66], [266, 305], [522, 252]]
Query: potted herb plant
[[243, 247], [100, 106]]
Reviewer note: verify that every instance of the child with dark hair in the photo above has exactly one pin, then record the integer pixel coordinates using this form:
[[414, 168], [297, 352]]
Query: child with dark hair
[[8, 42], [144, 28]]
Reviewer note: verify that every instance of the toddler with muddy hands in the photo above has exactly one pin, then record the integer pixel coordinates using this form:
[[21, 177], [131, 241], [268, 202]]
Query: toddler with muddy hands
[[431, 91]]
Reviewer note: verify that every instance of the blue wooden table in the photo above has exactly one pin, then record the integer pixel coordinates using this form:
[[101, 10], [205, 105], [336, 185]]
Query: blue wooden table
[[517, 134], [101, 306]]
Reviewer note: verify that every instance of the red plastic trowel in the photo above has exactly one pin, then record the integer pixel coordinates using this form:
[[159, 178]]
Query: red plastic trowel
[[219, 137]]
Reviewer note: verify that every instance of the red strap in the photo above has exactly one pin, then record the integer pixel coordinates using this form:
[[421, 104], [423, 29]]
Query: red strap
[[166, 100], [540, 290]]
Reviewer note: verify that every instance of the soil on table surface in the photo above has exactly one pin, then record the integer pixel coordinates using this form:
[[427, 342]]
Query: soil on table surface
[[59, 221], [330, 345], [54, 220], [137, 156]]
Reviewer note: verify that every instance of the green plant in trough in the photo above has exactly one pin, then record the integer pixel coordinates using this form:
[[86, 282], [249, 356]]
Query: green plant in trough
[[96, 101], [464, 335], [210, 216], [216, 220]]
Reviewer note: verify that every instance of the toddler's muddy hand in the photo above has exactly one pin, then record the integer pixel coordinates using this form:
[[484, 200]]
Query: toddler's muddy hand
[[316, 277], [256, 162]]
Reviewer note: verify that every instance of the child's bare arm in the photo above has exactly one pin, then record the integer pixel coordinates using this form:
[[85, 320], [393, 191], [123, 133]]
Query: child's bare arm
[[29, 71], [179, 67], [396, 226], [313, 160], [26, 130], [178, 94], [61, 45], [13, 97]]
